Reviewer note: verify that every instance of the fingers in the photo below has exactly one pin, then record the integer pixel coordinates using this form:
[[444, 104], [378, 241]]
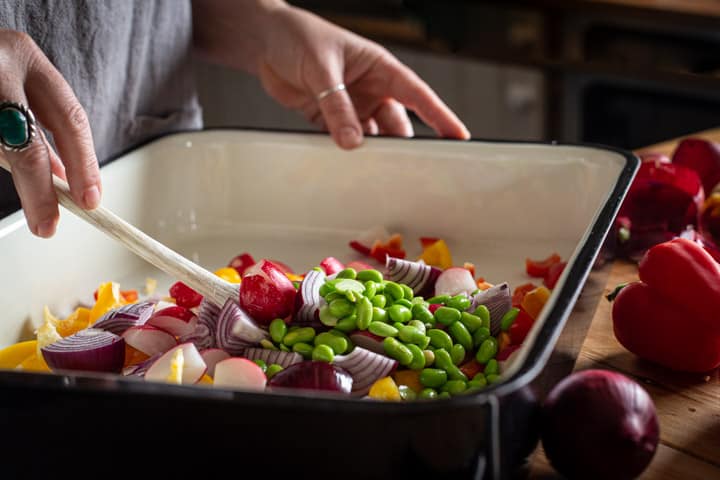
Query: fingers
[[57, 108], [340, 117], [392, 119]]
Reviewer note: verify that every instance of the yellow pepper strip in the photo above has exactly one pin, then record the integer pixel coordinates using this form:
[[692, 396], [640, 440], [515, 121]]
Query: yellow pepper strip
[[176, 367], [108, 297], [228, 274], [294, 277], [385, 389], [75, 322], [34, 363], [11, 357], [206, 379], [409, 378], [535, 300], [437, 255], [503, 340]]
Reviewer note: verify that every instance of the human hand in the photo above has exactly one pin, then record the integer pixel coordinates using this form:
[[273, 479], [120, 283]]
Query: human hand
[[305, 55], [27, 77]]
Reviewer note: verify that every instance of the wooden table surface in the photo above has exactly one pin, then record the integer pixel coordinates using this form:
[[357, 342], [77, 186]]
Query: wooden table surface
[[688, 405]]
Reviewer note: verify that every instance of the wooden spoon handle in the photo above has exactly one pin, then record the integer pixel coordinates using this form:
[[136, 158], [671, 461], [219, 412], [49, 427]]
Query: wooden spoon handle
[[202, 281]]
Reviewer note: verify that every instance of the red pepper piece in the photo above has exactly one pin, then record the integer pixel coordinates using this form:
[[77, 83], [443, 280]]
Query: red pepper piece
[[427, 241], [520, 292], [471, 368], [520, 327], [539, 268], [434, 306], [359, 247], [185, 296], [380, 251], [553, 274]]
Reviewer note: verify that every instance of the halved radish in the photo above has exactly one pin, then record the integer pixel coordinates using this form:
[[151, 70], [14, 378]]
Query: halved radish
[[193, 369], [212, 356], [177, 320], [240, 373], [331, 265], [369, 341], [149, 340], [266, 293], [454, 281]]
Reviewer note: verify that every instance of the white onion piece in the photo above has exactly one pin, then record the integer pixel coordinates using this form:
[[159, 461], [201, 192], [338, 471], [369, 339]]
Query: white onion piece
[[202, 337], [236, 330], [454, 281], [90, 349], [284, 359], [418, 276], [149, 340], [498, 301], [308, 301], [366, 368], [194, 366], [120, 319], [212, 356], [368, 341]]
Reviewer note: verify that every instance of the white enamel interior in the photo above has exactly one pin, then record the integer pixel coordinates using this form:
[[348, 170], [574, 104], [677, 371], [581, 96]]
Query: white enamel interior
[[298, 198]]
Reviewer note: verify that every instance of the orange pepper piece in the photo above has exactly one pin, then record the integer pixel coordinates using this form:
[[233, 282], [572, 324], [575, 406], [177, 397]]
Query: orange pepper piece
[[75, 322], [535, 300], [409, 378]]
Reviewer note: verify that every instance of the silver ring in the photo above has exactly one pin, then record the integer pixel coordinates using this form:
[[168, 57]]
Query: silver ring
[[337, 88], [17, 126]]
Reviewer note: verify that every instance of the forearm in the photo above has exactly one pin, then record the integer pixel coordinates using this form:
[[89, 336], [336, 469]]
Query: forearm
[[233, 33]]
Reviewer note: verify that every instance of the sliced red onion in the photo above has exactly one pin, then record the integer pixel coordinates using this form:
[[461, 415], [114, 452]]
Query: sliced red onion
[[138, 370], [308, 301], [202, 337], [120, 319], [368, 341], [366, 368], [212, 356], [284, 359], [208, 314], [149, 340], [418, 276], [498, 301], [236, 330], [90, 349]]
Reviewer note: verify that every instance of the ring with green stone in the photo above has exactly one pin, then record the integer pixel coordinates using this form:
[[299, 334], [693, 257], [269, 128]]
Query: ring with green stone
[[17, 126]]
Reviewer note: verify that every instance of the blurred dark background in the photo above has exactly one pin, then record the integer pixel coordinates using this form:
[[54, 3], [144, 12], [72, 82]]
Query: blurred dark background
[[623, 73]]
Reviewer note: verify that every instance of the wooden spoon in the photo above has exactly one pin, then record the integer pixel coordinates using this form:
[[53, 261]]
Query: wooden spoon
[[209, 285]]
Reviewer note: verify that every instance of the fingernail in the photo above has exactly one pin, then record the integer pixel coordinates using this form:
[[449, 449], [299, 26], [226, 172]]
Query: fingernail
[[46, 229], [91, 197], [350, 137]]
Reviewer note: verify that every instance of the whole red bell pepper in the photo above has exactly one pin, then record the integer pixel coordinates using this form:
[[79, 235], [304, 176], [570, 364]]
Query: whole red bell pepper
[[672, 315]]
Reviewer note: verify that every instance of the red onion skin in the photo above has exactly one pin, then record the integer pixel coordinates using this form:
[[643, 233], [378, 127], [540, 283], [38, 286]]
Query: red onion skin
[[598, 424]]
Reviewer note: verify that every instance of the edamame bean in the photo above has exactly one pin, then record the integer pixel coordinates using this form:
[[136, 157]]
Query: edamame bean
[[440, 339], [508, 319], [347, 324], [341, 308], [407, 393], [304, 349], [422, 313], [480, 377], [267, 344], [398, 325], [480, 335], [418, 301], [379, 315], [370, 289], [273, 370], [443, 395], [461, 302], [277, 329], [493, 378], [443, 299], [412, 335], [394, 291], [338, 344], [325, 289], [408, 293], [347, 273], [404, 302], [428, 393], [379, 301], [261, 363], [326, 318], [454, 387], [345, 285], [429, 357], [370, 276], [484, 314], [460, 333], [398, 351], [323, 353], [433, 377], [491, 367], [382, 329], [399, 313], [474, 385], [487, 350], [305, 335], [457, 354], [284, 348], [418, 361], [333, 296], [444, 360], [447, 315], [364, 313], [471, 322], [418, 324]]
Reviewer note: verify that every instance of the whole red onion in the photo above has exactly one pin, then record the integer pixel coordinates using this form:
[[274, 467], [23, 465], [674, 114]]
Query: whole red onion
[[598, 424]]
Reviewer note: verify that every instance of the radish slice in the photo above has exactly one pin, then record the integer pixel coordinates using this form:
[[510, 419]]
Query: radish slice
[[366, 368], [149, 340], [284, 359], [177, 320], [239, 373], [236, 330], [308, 301], [331, 265], [359, 266], [420, 277], [193, 366], [498, 301], [368, 341], [212, 356], [90, 349], [454, 281], [202, 337], [120, 319]]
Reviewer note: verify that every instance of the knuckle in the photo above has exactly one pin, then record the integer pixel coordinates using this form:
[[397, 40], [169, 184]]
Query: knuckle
[[32, 161], [76, 117]]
